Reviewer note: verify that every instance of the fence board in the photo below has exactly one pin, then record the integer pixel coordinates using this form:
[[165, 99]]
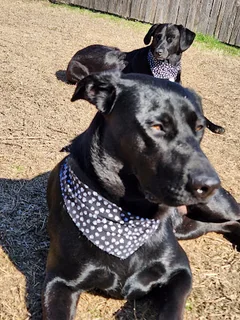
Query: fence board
[[193, 16], [218, 18], [142, 9], [183, 12], [101, 5], [120, 7], [237, 41], [228, 21], [150, 11], [113, 7], [213, 17], [204, 13], [173, 11], [236, 30], [160, 16]]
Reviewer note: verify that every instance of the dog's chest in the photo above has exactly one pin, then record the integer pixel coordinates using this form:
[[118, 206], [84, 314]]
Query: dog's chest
[[163, 69], [106, 225]]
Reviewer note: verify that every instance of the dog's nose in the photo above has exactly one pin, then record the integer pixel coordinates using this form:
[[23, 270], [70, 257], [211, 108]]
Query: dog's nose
[[159, 51], [202, 186]]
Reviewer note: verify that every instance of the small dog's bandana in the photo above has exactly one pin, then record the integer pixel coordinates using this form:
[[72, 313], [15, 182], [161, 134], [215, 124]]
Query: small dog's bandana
[[104, 223], [162, 69]]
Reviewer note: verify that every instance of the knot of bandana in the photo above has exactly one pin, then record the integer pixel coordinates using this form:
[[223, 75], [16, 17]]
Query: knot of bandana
[[105, 224], [163, 69]]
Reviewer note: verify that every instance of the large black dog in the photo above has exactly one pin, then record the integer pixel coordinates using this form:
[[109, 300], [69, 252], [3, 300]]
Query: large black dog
[[114, 200]]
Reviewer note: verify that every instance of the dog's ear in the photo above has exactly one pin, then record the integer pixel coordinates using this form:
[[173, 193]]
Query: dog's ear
[[147, 38], [186, 37], [98, 89]]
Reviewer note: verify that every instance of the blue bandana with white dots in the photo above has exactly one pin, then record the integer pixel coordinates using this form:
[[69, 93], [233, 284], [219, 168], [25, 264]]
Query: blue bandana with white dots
[[104, 223], [163, 69]]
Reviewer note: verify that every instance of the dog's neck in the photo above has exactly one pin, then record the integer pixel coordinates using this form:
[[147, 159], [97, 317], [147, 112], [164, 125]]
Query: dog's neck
[[104, 223], [164, 69], [99, 164]]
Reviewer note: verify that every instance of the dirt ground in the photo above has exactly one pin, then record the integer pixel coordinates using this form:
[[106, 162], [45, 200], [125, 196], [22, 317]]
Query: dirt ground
[[37, 39]]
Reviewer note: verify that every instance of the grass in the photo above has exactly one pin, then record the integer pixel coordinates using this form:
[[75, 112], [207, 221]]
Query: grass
[[19, 168], [201, 40], [212, 43], [189, 306]]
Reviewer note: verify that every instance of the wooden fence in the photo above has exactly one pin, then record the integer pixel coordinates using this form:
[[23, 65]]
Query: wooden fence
[[218, 18]]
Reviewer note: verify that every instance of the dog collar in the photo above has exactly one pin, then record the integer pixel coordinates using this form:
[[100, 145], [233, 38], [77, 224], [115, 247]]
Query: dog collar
[[106, 225], [163, 69]]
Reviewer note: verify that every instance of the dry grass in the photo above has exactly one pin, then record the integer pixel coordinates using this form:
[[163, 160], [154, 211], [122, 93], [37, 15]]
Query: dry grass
[[37, 119]]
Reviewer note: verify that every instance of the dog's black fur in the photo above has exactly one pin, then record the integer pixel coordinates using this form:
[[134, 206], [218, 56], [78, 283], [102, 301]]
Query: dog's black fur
[[94, 58], [141, 152], [169, 41]]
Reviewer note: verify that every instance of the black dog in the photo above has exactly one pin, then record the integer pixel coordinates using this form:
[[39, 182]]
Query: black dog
[[162, 58], [94, 58], [112, 199]]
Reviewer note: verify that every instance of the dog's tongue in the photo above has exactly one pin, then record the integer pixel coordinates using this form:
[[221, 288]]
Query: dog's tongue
[[182, 210]]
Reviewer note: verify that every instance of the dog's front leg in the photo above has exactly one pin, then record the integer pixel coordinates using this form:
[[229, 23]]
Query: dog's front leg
[[168, 290], [59, 300], [171, 297], [60, 295], [221, 215], [192, 229]]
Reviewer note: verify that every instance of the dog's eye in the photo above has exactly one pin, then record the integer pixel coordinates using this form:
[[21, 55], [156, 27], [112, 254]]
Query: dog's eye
[[158, 127], [169, 40], [199, 127]]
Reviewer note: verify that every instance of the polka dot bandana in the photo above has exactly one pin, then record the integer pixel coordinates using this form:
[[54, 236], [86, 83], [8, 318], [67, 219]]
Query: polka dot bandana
[[104, 223], [163, 69]]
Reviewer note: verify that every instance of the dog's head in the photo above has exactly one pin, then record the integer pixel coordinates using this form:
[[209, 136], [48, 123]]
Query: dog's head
[[168, 39], [154, 127]]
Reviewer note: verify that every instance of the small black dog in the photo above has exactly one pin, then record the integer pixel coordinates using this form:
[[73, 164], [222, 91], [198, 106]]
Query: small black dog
[[112, 199], [162, 58], [94, 58]]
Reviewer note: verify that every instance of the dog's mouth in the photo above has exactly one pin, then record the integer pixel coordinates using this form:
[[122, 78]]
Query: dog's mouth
[[151, 198], [173, 198], [182, 209], [160, 56], [169, 201]]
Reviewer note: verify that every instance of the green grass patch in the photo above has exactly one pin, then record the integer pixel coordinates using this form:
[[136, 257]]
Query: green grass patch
[[19, 168], [189, 306], [212, 43], [201, 40]]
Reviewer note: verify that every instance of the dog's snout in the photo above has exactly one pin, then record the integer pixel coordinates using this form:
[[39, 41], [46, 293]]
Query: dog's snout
[[203, 186], [159, 51]]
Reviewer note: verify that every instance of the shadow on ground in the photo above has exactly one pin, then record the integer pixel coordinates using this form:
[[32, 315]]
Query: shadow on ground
[[23, 236], [61, 76]]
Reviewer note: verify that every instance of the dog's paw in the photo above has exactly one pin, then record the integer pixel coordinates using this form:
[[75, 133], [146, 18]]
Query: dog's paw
[[235, 241], [219, 130], [234, 235]]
